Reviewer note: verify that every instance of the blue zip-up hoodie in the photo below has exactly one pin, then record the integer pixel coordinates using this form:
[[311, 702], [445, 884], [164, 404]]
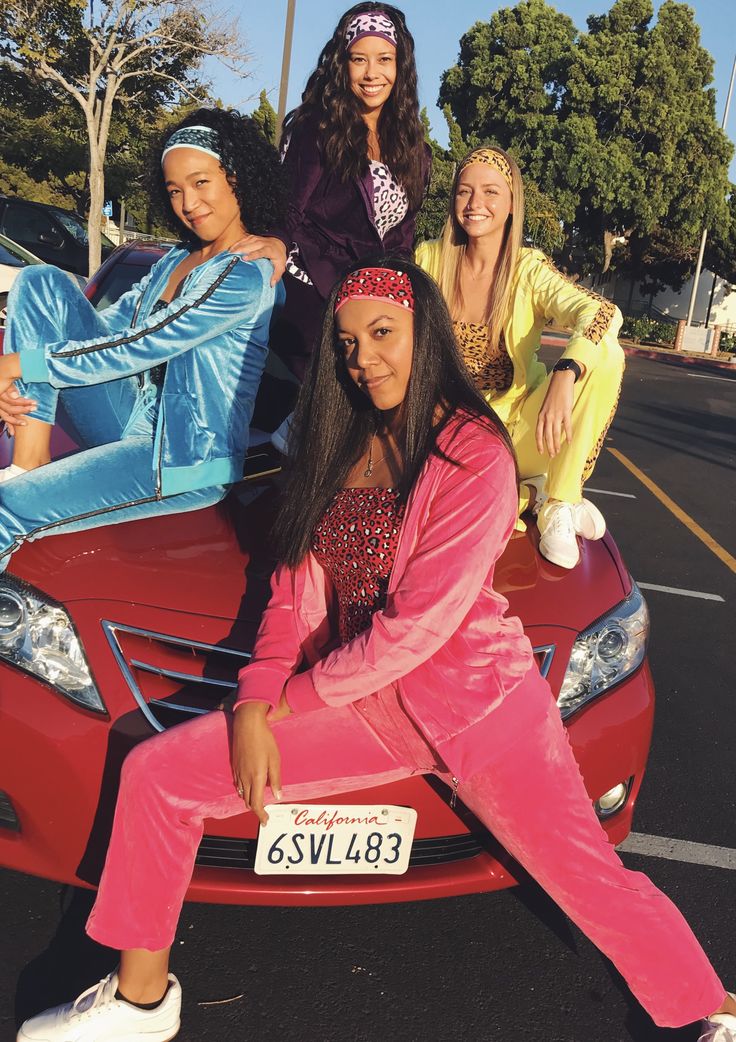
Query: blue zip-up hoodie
[[214, 336]]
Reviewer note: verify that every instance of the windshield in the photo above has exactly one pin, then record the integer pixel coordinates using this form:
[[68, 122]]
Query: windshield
[[11, 259], [78, 228], [118, 280]]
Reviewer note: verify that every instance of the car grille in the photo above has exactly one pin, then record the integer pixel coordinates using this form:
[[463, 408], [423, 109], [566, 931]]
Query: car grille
[[172, 678], [222, 852]]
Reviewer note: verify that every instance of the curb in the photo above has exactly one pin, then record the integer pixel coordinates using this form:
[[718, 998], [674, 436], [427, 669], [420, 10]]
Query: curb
[[669, 357], [665, 355]]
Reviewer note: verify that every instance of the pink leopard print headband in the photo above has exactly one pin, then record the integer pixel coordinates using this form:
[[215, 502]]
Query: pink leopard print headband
[[392, 287], [376, 24]]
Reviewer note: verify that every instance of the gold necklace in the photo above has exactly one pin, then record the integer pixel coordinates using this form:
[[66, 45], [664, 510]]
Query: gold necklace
[[368, 472]]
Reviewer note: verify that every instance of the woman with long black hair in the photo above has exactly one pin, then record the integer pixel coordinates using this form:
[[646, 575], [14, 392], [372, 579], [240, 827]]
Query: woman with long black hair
[[384, 652], [357, 166]]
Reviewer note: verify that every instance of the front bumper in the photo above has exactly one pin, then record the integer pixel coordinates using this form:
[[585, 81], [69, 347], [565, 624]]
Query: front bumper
[[59, 767]]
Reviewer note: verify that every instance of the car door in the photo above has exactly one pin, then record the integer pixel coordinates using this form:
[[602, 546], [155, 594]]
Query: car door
[[38, 232]]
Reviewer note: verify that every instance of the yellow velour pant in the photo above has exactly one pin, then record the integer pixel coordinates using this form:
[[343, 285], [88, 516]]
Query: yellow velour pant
[[596, 396]]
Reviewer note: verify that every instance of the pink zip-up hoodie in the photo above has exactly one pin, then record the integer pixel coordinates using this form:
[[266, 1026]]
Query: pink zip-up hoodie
[[442, 637]]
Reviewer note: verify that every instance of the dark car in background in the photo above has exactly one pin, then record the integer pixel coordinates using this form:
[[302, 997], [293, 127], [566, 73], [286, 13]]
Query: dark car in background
[[54, 235]]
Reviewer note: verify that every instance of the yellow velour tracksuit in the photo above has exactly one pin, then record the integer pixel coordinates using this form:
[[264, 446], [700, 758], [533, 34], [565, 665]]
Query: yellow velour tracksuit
[[542, 294]]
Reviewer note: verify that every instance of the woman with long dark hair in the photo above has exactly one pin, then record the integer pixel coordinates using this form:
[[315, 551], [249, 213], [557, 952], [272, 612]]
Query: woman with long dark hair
[[501, 295], [160, 386], [384, 652], [357, 167]]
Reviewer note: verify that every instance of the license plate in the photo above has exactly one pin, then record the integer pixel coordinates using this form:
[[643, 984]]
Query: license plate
[[301, 839]]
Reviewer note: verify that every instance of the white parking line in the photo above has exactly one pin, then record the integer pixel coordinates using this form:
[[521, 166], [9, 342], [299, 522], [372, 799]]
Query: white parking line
[[702, 376], [679, 850], [607, 492], [681, 593]]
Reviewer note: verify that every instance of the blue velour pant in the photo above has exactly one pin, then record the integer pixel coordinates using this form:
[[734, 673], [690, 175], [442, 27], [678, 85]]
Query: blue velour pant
[[112, 479]]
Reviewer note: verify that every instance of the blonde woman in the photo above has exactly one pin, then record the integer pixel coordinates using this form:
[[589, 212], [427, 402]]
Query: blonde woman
[[501, 295]]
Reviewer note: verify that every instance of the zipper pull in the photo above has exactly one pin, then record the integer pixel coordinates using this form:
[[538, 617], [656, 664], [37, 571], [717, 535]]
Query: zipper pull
[[453, 797]]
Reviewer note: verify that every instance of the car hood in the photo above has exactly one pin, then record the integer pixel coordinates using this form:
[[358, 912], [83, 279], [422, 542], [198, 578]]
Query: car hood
[[216, 562]]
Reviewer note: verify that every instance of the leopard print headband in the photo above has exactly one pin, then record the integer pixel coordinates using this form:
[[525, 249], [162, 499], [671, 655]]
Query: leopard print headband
[[490, 157], [392, 287]]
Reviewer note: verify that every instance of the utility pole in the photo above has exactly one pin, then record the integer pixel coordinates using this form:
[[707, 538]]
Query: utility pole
[[704, 236], [285, 66]]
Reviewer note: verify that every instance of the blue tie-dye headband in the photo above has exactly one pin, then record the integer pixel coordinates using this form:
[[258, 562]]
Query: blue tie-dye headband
[[203, 139]]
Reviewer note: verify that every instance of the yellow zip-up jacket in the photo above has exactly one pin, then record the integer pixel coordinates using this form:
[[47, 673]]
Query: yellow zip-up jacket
[[542, 293]]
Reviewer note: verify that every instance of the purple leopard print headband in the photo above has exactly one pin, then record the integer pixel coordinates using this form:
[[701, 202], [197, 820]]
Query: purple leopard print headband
[[375, 24]]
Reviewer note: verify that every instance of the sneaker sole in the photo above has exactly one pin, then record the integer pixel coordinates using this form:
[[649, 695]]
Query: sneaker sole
[[559, 559], [139, 1036]]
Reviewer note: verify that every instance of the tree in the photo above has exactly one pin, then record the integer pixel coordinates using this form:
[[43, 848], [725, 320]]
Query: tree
[[616, 125], [508, 84], [107, 55], [720, 250], [266, 118], [654, 158]]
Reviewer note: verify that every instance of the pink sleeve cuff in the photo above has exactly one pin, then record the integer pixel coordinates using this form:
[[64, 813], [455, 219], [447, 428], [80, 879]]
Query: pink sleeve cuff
[[258, 683], [301, 694]]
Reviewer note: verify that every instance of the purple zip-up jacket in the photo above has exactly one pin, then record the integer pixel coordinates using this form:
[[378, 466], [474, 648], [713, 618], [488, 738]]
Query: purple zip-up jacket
[[332, 221]]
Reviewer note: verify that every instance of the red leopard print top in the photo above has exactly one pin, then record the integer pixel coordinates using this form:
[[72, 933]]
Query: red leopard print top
[[355, 542]]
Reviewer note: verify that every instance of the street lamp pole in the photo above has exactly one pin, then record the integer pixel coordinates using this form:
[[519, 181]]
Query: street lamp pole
[[704, 236], [285, 65]]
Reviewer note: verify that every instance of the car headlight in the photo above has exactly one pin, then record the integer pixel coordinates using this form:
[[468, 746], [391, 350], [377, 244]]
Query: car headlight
[[605, 653], [37, 635]]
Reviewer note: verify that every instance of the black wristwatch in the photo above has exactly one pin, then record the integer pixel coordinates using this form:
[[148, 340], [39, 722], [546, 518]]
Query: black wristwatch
[[567, 363]]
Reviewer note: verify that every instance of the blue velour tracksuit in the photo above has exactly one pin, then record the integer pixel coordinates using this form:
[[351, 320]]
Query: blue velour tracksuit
[[150, 448]]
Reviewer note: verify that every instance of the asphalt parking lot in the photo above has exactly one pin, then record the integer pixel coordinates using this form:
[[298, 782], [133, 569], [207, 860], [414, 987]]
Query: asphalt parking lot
[[500, 966]]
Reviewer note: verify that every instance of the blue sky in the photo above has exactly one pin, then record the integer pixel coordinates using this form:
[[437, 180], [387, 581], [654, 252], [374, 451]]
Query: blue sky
[[437, 26]]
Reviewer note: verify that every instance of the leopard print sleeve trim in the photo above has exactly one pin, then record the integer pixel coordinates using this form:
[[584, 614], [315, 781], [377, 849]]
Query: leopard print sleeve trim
[[604, 316]]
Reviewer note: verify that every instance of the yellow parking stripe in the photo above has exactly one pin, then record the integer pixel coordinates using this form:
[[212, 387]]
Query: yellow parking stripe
[[721, 553]]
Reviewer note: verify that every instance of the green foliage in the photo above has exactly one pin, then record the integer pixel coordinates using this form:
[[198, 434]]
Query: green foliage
[[616, 125], [433, 214], [648, 330], [720, 249], [727, 343], [265, 117]]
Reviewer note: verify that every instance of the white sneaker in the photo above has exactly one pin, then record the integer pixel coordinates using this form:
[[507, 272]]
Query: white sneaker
[[588, 520], [721, 1027], [97, 1016], [558, 535], [11, 472]]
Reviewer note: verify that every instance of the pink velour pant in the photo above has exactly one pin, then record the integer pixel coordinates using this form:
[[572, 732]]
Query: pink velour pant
[[172, 782]]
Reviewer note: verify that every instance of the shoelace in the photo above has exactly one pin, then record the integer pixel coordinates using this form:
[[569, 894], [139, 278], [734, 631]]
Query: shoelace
[[95, 997], [562, 518]]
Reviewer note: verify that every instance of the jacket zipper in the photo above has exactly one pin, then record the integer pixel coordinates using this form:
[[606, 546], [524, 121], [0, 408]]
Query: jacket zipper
[[78, 517]]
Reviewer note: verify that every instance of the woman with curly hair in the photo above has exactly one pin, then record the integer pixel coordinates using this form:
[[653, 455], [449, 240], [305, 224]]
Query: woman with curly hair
[[161, 385], [357, 167], [500, 295]]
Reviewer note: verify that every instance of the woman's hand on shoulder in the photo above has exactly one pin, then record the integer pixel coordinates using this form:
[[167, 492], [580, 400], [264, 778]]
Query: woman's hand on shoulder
[[256, 761], [555, 416], [255, 247]]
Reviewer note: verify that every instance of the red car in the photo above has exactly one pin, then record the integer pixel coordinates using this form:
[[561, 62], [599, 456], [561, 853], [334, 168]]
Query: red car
[[110, 635]]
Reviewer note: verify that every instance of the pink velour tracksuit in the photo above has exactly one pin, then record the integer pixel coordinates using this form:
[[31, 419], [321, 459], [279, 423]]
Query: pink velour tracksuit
[[440, 682]]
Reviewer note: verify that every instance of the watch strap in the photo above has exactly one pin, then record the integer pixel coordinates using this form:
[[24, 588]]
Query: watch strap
[[566, 364]]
